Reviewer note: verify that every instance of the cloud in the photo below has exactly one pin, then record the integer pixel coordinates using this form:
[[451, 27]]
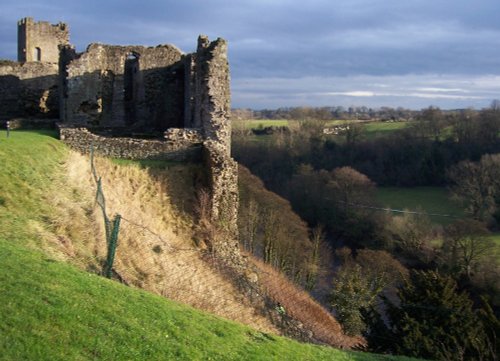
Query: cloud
[[413, 90], [290, 42]]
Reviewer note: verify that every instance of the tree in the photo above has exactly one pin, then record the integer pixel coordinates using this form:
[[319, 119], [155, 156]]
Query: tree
[[354, 133], [492, 328], [477, 185], [463, 126], [381, 268], [351, 293], [317, 239], [359, 282], [495, 105], [487, 129], [465, 244], [411, 232], [248, 221], [350, 187], [430, 122], [433, 320]]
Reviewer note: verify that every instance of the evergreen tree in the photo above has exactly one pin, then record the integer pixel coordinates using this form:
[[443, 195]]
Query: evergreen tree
[[432, 320]]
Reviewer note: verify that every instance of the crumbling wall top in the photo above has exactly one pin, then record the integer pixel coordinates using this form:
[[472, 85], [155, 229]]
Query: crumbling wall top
[[39, 41]]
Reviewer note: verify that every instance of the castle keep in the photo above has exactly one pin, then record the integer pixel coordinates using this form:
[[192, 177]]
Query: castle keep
[[108, 95], [39, 41]]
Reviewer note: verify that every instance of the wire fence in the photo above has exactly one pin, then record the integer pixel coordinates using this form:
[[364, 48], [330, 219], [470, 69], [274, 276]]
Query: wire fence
[[193, 276], [112, 228]]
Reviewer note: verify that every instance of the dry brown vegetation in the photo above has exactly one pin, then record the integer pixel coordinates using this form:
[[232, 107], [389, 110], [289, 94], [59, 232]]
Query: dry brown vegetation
[[271, 230], [157, 247], [300, 306]]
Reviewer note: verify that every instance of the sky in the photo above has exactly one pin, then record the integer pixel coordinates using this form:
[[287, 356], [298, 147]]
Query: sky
[[284, 53]]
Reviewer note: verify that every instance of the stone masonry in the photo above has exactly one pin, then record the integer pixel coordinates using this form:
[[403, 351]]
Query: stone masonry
[[181, 145], [123, 86], [40, 41], [29, 87], [28, 90], [148, 91]]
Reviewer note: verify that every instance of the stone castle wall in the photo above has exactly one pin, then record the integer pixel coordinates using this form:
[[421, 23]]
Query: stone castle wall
[[178, 145], [28, 90], [39, 41], [132, 86], [208, 91], [138, 89]]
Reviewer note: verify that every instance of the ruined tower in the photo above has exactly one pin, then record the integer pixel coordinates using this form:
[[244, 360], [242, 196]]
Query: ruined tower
[[39, 41]]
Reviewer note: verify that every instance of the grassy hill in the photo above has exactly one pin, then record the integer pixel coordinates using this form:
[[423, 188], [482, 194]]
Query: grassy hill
[[53, 310]]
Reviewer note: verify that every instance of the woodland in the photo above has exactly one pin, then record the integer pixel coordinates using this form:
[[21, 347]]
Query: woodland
[[409, 281]]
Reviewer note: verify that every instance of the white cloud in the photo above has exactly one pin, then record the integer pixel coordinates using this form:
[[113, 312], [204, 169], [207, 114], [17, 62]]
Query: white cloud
[[355, 93], [287, 52], [413, 91]]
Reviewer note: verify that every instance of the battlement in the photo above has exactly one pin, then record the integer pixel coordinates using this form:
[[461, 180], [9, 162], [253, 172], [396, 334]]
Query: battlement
[[40, 41], [27, 20]]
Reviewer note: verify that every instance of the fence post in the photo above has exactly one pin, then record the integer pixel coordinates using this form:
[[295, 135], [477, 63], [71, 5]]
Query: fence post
[[112, 243]]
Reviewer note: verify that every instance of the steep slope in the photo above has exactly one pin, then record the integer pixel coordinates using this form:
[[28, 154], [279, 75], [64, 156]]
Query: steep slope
[[47, 202], [157, 249], [53, 311]]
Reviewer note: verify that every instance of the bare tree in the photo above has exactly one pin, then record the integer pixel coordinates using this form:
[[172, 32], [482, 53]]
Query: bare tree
[[495, 105], [477, 185], [466, 244], [350, 186]]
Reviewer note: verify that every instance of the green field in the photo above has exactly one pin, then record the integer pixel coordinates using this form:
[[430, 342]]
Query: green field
[[432, 200], [50, 310], [496, 238], [371, 129], [378, 129], [260, 123]]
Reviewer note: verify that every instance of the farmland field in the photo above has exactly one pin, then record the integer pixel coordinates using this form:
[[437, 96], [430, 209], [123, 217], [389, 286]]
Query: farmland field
[[260, 123], [433, 200], [377, 129], [371, 129]]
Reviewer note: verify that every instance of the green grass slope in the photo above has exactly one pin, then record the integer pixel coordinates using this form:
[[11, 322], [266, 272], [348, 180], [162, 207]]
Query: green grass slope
[[51, 310], [30, 163]]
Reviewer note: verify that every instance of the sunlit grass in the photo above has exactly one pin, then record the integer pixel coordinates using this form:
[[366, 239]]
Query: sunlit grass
[[378, 129], [433, 200], [260, 123], [50, 310]]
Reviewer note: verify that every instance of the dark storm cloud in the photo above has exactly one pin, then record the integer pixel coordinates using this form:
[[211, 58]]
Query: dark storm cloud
[[294, 40]]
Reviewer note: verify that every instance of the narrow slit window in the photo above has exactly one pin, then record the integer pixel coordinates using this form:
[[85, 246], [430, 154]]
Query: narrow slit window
[[38, 54]]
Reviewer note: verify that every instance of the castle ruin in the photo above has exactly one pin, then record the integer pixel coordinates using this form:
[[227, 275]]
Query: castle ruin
[[107, 95], [40, 41]]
